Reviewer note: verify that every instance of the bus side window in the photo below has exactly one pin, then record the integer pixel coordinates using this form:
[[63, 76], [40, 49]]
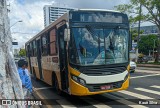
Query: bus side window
[[52, 36], [44, 45], [34, 48], [31, 49]]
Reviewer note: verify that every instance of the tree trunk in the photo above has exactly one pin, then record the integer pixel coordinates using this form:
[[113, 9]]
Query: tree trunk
[[10, 84]]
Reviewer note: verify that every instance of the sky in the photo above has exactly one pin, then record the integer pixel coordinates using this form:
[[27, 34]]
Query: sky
[[30, 12]]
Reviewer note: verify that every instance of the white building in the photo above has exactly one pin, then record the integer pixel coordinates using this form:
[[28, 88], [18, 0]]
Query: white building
[[54, 11]]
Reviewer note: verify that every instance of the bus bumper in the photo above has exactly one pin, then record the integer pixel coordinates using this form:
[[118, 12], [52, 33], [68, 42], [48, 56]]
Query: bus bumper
[[80, 90]]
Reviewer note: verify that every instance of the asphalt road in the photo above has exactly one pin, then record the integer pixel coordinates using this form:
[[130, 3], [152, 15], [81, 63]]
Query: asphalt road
[[144, 89]]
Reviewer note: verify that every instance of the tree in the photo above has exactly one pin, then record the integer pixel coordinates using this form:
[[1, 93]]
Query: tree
[[134, 33], [10, 84], [146, 43], [152, 13], [22, 52]]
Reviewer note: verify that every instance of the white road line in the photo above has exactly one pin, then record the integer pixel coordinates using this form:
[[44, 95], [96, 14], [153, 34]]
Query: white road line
[[41, 88], [41, 97], [148, 91], [144, 76], [95, 103], [155, 86], [147, 71], [135, 94], [65, 104], [126, 102]]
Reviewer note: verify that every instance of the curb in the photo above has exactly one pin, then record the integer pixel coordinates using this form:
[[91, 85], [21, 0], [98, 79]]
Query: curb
[[148, 65]]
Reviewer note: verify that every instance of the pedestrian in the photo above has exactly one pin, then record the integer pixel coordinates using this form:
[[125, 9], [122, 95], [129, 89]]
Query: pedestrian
[[25, 78]]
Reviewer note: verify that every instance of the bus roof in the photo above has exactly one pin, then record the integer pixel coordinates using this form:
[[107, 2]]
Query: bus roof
[[64, 17], [105, 10]]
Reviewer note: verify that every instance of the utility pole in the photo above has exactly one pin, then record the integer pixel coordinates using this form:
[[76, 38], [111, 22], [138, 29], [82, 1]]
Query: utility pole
[[139, 30], [10, 84]]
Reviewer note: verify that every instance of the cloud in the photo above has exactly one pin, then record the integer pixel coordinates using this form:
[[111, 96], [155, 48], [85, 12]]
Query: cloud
[[31, 12]]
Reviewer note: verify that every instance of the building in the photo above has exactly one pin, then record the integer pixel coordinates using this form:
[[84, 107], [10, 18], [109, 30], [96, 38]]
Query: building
[[53, 12], [152, 29]]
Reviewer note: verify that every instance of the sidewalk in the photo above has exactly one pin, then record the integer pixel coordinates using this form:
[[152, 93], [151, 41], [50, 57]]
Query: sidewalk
[[148, 65]]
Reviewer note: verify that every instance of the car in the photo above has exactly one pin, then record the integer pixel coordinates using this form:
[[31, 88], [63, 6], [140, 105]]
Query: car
[[150, 58], [132, 66], [16, 59], [143, 59]]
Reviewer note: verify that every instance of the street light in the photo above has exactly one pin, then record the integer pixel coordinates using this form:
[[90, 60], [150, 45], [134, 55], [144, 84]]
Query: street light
[[15, 23], [12, 26]]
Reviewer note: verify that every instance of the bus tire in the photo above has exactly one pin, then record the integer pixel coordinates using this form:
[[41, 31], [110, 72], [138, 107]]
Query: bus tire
[[57, 86]]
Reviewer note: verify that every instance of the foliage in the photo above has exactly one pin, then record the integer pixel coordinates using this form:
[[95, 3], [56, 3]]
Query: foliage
[[150, 12], [146, 43], [151, 6], [22, 52], [134, 33]]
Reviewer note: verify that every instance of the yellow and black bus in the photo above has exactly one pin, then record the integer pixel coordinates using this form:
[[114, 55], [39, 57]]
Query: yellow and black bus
[[84, 52]]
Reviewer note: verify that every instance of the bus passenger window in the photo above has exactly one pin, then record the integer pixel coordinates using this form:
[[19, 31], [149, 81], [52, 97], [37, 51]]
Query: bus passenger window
[[53, 42], [44, 45], [34, 48]]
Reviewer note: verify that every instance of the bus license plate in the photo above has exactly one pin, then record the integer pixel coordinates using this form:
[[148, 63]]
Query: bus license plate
[[106, 87]]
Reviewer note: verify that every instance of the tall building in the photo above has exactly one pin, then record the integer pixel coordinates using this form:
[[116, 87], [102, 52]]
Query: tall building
[[54, 11]]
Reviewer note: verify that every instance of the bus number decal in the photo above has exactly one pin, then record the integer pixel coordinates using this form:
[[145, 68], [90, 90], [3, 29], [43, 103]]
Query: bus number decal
[[55, 59]]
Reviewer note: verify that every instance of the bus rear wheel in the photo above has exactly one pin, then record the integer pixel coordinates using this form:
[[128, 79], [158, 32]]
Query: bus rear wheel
[[56, 86]]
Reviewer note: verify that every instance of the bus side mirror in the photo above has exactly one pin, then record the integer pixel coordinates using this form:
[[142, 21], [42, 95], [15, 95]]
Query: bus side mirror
[[66, 34]]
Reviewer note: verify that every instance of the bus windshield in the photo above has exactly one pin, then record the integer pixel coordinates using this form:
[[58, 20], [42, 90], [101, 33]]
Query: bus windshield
[[99, 46]]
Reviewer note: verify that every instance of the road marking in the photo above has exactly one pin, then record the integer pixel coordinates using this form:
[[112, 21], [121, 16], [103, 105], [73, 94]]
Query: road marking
[[144, 76], [126, 102], [155, 86], [148, 91], [135, 94], [95, 103], [147, 71], [42, 88], [65, 104], [41, 97]]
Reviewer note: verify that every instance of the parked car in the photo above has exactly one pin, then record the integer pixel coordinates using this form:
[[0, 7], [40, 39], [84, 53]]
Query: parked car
[[16, 59], [143, 59], [150, 58], [132, 66]]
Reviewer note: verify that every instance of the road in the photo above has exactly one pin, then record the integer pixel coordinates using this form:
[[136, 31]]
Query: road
[[144, 88]]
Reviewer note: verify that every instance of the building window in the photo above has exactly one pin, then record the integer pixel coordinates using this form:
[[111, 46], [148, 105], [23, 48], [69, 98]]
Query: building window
[[53, 49]]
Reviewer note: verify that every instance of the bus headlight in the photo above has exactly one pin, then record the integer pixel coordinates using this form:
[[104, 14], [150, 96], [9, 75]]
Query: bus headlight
[[78, 80]]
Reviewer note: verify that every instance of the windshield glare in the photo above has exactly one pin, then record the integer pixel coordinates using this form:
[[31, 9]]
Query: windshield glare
[[93, 46]]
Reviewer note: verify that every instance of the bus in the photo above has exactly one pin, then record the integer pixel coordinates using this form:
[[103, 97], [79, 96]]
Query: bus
[[84, 52]]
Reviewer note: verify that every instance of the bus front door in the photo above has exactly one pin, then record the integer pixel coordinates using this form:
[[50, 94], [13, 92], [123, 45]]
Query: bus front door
[[39, 57], [63, 59]]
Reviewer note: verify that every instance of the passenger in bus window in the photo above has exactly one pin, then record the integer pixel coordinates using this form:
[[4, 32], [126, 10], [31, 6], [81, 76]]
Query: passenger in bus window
[[25, 78]]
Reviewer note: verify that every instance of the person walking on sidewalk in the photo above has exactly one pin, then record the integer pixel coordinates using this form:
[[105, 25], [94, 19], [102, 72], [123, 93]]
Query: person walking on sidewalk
[[25, 78]]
